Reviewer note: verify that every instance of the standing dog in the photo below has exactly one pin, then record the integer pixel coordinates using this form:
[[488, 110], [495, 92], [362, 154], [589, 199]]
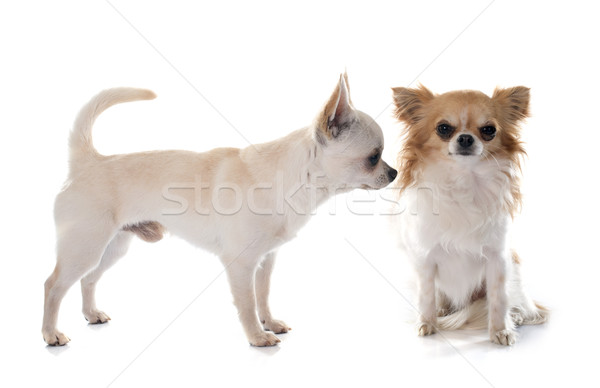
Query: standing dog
[[459, 178], [240, 204]]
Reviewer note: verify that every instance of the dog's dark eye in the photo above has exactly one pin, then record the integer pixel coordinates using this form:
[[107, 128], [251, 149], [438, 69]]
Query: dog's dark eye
[[444, 131], [488, 132], [374, 159]]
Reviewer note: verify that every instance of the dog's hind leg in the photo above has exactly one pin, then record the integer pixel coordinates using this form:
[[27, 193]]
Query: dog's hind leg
[[79, 250], [263, 286], [524, 311], [116, 249]]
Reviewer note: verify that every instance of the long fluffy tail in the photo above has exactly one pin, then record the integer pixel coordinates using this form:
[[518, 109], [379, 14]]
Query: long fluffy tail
[[474, 317], [80, 141]]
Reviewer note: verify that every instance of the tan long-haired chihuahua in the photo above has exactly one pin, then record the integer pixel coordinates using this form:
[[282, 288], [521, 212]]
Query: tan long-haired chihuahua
[[459, 173]]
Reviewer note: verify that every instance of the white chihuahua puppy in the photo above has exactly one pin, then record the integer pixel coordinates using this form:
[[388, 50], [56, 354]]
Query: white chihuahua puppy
[[240, 204], [460, 182]]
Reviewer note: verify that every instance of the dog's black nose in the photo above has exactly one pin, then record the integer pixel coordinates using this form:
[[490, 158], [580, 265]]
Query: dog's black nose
[[392, 174], [465, 141]]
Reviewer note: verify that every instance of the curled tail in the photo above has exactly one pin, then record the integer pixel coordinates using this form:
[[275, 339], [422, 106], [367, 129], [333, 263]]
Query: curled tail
[[81, 146]]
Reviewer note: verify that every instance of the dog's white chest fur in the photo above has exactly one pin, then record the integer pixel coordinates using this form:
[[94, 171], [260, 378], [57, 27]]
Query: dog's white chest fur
[[453, 218], [460, 207]]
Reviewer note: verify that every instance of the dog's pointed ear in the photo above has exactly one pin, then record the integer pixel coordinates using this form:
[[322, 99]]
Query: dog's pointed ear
[[347, 87], [338, 112], [513, 103], [410, 103]]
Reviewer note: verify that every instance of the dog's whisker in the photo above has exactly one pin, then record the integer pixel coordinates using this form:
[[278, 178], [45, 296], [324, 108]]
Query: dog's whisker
[[488, 154]]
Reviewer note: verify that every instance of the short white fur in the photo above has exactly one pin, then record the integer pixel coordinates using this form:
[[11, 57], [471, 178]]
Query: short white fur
[[108, 199]]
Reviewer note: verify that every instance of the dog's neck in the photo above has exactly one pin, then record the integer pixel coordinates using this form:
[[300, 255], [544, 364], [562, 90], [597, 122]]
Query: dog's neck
[[485, 185], [294, 165]]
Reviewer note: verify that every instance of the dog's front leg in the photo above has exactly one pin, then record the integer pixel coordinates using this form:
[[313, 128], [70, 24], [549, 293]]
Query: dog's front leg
[[263, 286], [427, 308], [241, 275], [500, 323]]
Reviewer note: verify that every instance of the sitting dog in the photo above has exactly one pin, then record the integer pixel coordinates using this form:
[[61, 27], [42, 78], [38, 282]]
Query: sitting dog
[[240, 204], [459, 178]]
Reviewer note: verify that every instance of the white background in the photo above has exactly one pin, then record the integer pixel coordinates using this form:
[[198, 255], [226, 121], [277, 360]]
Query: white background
[[266, 69]]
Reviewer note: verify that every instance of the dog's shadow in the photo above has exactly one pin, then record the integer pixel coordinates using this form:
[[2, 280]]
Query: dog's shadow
[[266, 350], [450, 343], [98, 326], [57, 350]]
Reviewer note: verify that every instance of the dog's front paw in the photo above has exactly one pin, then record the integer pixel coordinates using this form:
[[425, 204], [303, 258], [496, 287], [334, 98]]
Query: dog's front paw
[[55, 338], [504, 337], [264, 339], [425, 328], [276, 326], [96, 316]]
